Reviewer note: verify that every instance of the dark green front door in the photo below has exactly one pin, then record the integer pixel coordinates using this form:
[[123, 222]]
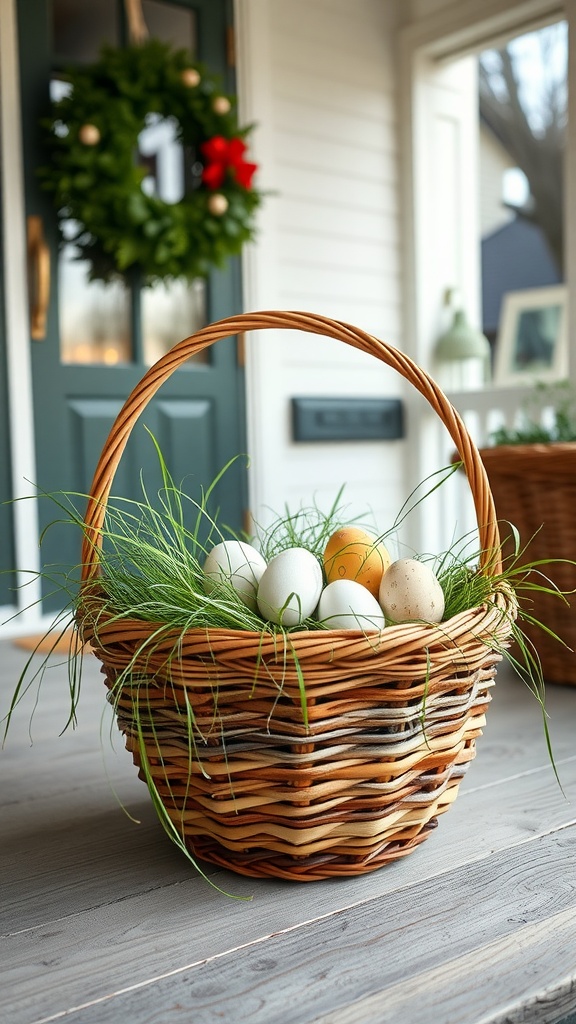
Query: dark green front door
[[99, 339]]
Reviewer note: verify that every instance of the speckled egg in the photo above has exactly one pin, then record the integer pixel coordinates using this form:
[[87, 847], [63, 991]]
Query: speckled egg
[[410, 591]]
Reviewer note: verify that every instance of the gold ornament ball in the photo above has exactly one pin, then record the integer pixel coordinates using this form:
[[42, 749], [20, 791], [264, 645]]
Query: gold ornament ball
[[89, 135], [221, 105], [218, 204], [190, 77]]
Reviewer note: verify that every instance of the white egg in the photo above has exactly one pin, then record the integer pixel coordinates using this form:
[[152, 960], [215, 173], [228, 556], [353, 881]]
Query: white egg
[[409, 591], [345, 604], [237, 563], [290, 587]]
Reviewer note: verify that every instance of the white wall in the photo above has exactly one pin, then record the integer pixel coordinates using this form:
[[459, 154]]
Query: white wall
[[319, 78]]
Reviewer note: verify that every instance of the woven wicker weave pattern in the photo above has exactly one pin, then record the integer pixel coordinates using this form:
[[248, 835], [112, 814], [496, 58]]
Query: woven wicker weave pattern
[[254, 777], [534, 487]]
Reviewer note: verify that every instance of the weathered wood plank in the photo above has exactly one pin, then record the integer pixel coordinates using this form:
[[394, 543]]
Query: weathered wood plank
[[188, 921], [464, 918], [514, 739], [99, 903], [70, 854], [531, 979]]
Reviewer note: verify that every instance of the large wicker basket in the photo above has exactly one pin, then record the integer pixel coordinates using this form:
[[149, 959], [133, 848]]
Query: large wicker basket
[[393, 717], [534, 488]]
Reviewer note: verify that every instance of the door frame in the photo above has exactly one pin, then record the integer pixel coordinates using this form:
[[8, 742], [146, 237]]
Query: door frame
[[18, 369], [427, 47]]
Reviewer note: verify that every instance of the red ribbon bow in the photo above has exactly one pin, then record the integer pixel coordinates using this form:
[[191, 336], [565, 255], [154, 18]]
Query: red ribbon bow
[[223, 155]]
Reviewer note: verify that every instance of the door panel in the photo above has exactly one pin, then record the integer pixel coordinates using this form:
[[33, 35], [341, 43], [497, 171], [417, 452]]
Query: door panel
[[181, 419], [82, 376]]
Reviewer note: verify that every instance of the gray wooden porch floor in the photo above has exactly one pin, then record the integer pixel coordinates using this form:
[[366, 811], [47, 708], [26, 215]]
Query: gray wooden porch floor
[[103, 920]]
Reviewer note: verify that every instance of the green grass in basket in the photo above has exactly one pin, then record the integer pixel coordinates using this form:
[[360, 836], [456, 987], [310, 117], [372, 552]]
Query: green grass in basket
[[308, 527], [151, 562]]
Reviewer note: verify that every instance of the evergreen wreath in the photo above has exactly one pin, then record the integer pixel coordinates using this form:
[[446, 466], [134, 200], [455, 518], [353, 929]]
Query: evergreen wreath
[[96, 180]]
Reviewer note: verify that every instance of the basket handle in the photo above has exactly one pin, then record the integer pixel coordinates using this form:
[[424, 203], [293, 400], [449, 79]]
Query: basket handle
[[312, 324]]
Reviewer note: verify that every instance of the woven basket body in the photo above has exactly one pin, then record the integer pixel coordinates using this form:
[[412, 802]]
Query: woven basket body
[[534, 488], [254, 778]]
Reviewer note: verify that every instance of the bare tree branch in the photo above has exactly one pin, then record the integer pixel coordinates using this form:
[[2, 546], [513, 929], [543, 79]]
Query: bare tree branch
[[537, 149]]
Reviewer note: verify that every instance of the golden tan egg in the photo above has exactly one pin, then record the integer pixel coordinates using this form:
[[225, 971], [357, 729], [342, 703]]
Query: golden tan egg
[[353, 554]]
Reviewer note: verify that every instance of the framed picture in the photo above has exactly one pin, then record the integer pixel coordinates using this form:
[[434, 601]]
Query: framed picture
[[532, 342]]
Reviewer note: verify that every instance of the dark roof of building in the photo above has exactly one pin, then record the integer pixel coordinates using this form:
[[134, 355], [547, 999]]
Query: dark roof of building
[[514, 257]]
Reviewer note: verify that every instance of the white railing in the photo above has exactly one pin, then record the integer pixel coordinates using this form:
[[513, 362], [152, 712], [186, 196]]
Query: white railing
[[447, 515]]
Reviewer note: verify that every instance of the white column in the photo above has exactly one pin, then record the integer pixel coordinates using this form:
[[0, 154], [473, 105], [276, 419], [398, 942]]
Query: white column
[[17, 326]]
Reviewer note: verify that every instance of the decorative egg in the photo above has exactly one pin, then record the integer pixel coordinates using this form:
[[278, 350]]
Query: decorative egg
[[345, 604], [290, 587], [237, 563], [410, 591], [354, 554]]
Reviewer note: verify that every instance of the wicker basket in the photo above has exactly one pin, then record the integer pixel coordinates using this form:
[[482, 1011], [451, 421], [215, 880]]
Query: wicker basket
[[392, 717], [534, 488]]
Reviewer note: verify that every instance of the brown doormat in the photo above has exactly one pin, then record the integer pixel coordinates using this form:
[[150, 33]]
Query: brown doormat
[[50, 643]]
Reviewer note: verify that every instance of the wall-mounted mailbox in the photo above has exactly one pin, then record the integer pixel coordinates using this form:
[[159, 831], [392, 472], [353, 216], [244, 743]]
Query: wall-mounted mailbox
[[347, 419]]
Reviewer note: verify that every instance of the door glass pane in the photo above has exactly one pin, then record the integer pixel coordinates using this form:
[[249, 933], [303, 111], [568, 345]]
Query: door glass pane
[[80, 27], [171, 312], [94, 317], [174, 310], [171, 23]]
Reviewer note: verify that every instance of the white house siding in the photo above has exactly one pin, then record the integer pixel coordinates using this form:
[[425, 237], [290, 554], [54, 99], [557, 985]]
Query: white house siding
[[319, 77]]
